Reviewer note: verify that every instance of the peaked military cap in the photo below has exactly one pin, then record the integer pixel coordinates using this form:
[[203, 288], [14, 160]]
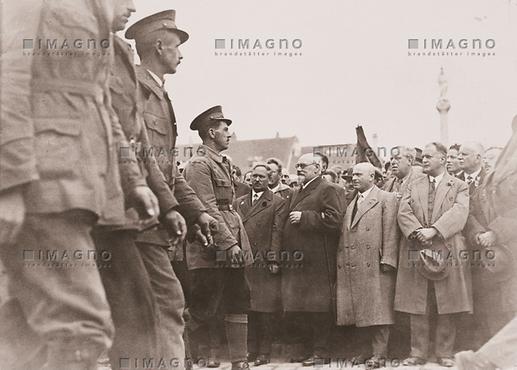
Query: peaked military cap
[[209, 116], [164, 20]]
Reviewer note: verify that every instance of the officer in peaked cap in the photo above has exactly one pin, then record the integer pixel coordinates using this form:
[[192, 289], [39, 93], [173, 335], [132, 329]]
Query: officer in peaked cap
[[165, 20], [208, 117], [217, 273], [157, 41]]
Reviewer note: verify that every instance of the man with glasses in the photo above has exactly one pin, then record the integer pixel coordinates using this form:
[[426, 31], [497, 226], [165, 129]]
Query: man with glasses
[[312, 231]]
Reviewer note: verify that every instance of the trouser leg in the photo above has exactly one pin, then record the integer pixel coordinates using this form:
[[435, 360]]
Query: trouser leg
[[265, 333], [445, 336], [129, 293], [321, 326], [380, 336], [420, 330], [169, 299], [253, 332], [55, 281]]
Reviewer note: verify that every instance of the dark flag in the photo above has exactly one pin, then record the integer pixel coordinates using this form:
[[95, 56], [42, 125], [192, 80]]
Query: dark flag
[[364, 152]]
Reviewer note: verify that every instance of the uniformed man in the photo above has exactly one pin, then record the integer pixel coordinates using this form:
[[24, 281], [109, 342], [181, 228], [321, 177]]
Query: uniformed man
[[126, 280], [157, 41], [59, 177], [217, 275]]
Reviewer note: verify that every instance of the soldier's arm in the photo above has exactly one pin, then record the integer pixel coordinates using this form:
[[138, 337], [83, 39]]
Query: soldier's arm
[[130, 175], [189, 204], [390, 231], [17, 157], [329, 218], [453, 220], [155, 178], [198, 176]]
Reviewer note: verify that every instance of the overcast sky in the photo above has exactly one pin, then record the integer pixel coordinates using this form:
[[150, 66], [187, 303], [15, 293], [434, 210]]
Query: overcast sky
[[354, 69]]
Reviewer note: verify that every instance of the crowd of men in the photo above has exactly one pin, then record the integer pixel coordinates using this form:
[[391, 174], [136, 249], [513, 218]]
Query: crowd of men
[[87, 166]]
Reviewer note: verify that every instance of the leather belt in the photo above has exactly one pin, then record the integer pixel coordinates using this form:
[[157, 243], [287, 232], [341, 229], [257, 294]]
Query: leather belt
[[225, 207]]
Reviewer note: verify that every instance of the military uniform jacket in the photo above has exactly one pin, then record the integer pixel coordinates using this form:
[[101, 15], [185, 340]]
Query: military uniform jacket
[[128, 107], [160, 124], [74, 133], [264, 221], [208, 173]]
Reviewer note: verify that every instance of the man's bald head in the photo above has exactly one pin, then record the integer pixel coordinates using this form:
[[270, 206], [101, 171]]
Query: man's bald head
[[363, 176], [309, 166], [471, 156]]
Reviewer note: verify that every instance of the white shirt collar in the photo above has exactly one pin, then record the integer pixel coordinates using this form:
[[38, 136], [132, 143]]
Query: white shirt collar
[[438, 178], [474, 175], [253, 193], [307, 184], [276, 188], [365, 194], [156, 78]]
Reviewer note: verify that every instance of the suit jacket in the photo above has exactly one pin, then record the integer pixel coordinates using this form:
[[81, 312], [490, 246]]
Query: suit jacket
[[394, 186], [309, 284], [478, 181], [365, 293], [284, 191], [209, 175], [264, 221], [449, 215], [160, 123]]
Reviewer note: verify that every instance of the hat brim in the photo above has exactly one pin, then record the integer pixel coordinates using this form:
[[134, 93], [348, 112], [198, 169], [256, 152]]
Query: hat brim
[[131, 34], [194, 125], [182, 34]]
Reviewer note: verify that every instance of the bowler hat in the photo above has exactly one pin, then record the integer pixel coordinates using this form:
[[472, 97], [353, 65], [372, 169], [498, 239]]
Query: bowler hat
[[164, 20], [210, 115]]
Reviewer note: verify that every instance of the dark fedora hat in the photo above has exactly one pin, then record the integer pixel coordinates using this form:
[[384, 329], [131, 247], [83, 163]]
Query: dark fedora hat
[[165, 20]]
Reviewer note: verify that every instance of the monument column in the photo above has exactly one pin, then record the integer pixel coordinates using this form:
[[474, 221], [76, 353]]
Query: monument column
[[443, 107]]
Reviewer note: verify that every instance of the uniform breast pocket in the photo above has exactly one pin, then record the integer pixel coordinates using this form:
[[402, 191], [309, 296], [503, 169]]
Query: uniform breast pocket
[[223, 188], [159, 136], [58, 146]]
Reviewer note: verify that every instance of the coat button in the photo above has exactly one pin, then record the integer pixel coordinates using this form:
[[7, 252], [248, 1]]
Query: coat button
[[367, 229], [352, 266], [367, 264], [353, 246], [367, 246]]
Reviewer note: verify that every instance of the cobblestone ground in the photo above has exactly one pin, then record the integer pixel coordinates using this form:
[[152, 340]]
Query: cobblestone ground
[[338, 364]]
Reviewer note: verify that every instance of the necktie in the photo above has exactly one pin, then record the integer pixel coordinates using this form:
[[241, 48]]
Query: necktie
[[255, 198], [360, 199], [432, 193]]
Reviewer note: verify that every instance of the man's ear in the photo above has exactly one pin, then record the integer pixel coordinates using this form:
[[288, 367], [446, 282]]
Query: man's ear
[[211, 133], [158, 45]]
